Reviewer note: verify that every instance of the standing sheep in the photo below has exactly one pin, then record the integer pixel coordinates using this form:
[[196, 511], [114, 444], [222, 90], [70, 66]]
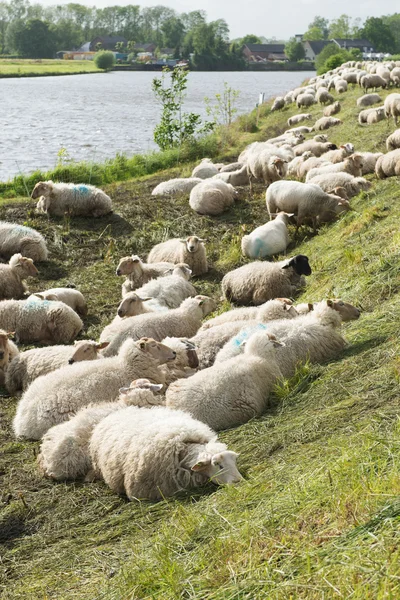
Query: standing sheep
[[266, 167], [266, 240], [137, 272], [190, 250], [13, 274], [212, 197], [305, 100], [77, 200], [278, 103], [323, 96], [20, 239], [392, 106], [372, 81], [257, 282]]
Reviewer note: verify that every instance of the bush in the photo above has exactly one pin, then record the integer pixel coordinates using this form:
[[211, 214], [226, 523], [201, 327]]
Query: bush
[[104, 60], [334, 61]]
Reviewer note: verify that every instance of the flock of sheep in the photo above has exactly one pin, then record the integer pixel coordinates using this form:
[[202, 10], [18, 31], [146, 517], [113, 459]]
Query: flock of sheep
[[139, 408]]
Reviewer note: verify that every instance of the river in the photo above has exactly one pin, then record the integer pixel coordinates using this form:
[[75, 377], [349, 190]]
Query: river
[[95, 116]]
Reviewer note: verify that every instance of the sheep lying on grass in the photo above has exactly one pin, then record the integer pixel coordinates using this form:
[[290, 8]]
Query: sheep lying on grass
[[266, 240], [190, 250], [57, 396], [137, 272], [29, 365], [332, 109], [388, 165], [279, 308], [175, 187], [168, 291], [393, 141], [344, 185], [205, 169], [64, 452], [13, 274], [326, 122], [235, 178], [368, 100], [8, 352], [18, 238], [212, 197], [70, 297], [258, 281], [77, 200], [154, 453], [299, 118], [352, 165], [317, 148], [186, 360]]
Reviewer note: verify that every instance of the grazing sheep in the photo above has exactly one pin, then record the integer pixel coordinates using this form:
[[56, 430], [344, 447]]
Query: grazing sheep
[[393, 141], [392, 106], [350, 77], [154, 453], [395, 76], [8, 352], [45, 322], [332, 109], [305, 100], [317, 148], [20, 239], [230, 393], [340, 86], [372, 81], [266, 167], [323, 96], [388, 165], [306, 200], [137, 272], [289, 98], [369, 100], [280, 308], [75, 199], [205, 169], [186, 360], [326, 122], [352, 165], [278, 104], [175, 187], [267, 240], [178, 322], [212, 197], [13, 274], [29, 365], [257, 282], [299, 118], [190, 250], [337, 156], [64, 451], [235, 178], [71, 297], [352, 186], [57, 396], [376, 115]]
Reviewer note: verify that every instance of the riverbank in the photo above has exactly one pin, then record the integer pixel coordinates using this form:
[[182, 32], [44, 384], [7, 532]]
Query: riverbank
[[45, 67]]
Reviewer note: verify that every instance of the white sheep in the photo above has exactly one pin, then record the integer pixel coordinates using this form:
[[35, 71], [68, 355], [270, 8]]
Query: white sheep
[[395, 76], [266, 167], [323, 96], [190, 250], [336, 156], [372, 81], [40, 321], [186, 359], [70, 296], [230, 393], [170, 290], [230, 167], [305, 100], [340, 86], [138, 273], [238, 177], [388, 165], [175, 187], [332, 109], [338, 182], [295, 119], [212, 197], [64, 451], [257, 282], [392, 106], [267, 240], [279, 308], [317, 148], [12, 276], [205, 169], [393, 141], [132, 305], [154, 453], [55, 397], [352, 165], [16, 238], [179, 322], [75, 199], [369, 161], [326, 122], [376, 115], [368, 100], [8, 352], [278, 103], [29, 365]]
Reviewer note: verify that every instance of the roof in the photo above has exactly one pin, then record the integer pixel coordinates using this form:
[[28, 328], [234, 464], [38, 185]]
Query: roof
[[353, 43], [85, 47], [317, 45], [273, 48], [107, 39]]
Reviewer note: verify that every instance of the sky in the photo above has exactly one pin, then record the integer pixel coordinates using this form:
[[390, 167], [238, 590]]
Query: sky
[[270, 18]]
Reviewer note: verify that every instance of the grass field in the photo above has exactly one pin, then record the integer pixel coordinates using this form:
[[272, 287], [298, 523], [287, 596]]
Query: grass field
[[318, 514], [44, 67]]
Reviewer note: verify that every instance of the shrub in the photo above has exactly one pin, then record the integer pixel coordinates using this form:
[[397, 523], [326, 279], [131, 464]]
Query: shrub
[[104, 60]]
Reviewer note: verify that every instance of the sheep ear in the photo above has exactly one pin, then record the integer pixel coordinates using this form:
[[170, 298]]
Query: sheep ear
[[183, 240], [142, 345], [203, 241], [10, 333], [155, 387], [145, 299], [310, 306], [201, 465], [124, 390], [102, 345], [40, 296], [329, 303]]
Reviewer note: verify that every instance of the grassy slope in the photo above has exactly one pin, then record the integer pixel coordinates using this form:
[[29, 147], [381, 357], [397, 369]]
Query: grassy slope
[[318, 514], [35, 68]]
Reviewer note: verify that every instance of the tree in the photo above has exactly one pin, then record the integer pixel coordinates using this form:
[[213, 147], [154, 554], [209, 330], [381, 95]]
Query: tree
[[294, 50], [379, 34], [173, 32], [120, 47], [341, 28], [321, 25], [104, 60], [250, 38], [313, 34], [393, 22], [131, 46], [99, 47], [31, 39]]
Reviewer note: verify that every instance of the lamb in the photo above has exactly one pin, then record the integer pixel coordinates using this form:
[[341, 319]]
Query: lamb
[[190, 250], [212, 197], [8, 352], [257, 282], [56, 199], [369, 100], [340, 86], [299, 118], [307, 200], [393, 141], [205, 169], [235, 178], [64, 451], [305, 100], [278, 103], [372, 81], [29, 365], [369, 161], [71, 297], [388, 165], [351, 186], [233, 392], [13, 274], [280, 308], [323, 96], [326, 122], [57, 396], [352, 165], [179, 322], [154, 453], [337, 156], [186, 360], [376, 115], [138, 273], [175, 187], [317, 148], [267, 240], [332, 109], [45, 322], [20, 239], [266, 167], [392, 106]]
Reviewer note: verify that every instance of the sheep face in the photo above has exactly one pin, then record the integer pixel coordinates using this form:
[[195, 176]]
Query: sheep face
[[158, 351], [206, 304], [193, 243], [43, 188], [84, 350], [26, 268], [128, 265], [347, 311], [131, 305], [219, 468], [299, 264], [280, 166]]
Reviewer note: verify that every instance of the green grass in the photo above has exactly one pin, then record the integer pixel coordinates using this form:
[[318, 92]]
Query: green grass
[[20, 67], [318, 515]]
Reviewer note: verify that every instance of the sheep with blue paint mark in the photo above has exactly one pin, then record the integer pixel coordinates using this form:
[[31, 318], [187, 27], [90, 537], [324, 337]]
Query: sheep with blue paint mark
[[16, 238], [269, 239], [83, 200]]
